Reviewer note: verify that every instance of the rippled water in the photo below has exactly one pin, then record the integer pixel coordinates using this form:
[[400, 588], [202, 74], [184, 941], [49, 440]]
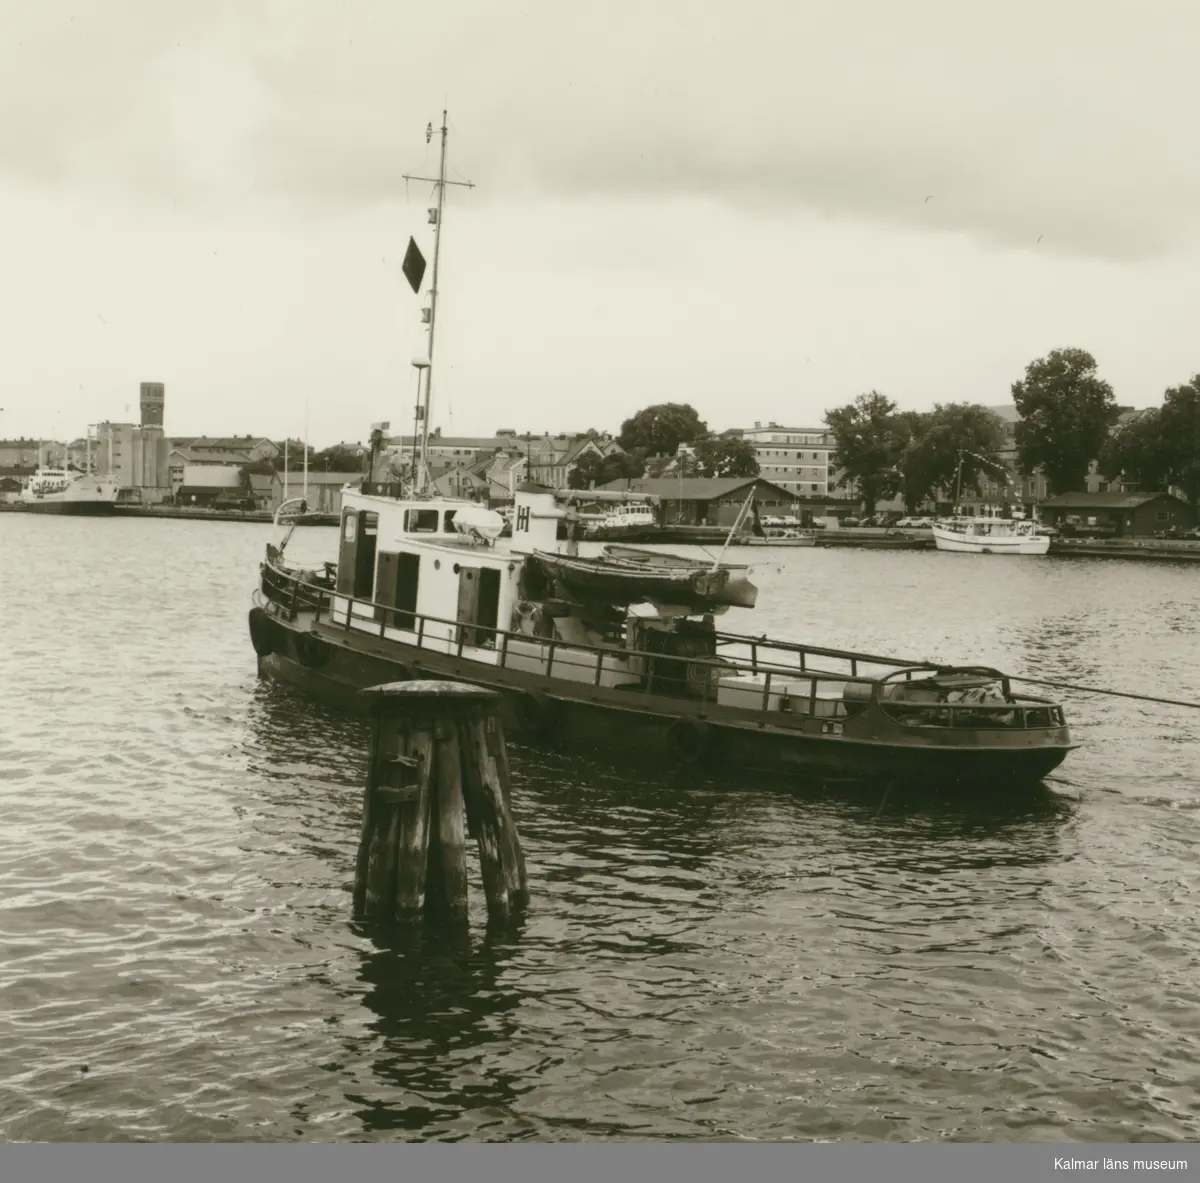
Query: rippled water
[[721, 961]]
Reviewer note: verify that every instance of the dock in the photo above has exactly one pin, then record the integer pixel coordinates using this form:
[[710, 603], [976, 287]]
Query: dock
[[1146, 549], [187, 511], [217, 515]]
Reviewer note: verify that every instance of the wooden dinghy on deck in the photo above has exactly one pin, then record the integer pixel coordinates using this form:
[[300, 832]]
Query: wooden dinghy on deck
[[739, 591], [632, 583]]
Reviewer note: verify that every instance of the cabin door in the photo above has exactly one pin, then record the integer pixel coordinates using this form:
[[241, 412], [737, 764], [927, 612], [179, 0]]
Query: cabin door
[[396, 589], [347, 553], [356, 556], [478, 604]]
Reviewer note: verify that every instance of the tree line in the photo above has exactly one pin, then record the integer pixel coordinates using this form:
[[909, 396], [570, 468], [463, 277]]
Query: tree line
[[650, 441], [1067, 414]]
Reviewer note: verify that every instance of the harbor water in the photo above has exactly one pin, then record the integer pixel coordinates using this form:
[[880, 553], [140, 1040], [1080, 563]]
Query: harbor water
[[737, 959]]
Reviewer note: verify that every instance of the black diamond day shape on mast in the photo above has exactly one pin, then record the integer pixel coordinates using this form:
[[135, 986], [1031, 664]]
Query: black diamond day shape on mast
[[414, 265]]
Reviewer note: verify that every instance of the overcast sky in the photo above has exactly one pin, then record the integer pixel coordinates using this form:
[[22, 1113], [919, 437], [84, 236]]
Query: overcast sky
[[763, 209]]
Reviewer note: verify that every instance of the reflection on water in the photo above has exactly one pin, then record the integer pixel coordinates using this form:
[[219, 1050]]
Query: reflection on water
[[439, 1007], [702, 959]]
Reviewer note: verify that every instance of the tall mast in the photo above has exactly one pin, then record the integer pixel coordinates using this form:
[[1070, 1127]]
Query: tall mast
[[421, 474]]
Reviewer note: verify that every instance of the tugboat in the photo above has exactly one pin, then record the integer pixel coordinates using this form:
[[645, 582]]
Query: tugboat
[[620, 652]]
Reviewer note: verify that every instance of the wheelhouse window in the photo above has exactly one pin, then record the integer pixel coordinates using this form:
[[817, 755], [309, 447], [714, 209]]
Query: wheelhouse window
[[448, 521], [421, 521]]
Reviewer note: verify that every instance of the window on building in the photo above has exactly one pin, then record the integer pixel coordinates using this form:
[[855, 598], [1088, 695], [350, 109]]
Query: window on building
[[1162, 516]]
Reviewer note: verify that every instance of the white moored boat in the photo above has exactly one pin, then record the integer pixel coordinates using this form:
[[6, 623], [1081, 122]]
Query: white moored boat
[[990, 534], [62, 490], [620, 521]]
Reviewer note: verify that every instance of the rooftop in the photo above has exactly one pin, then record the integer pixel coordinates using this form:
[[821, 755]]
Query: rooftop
[[338, 479], [204, 456], [1103, 500], [220, 443], [692, 488]]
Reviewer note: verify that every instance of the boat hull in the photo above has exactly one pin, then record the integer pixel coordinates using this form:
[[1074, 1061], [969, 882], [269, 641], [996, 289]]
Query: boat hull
[[958, 543], [874, 542], [645, 728], [84, 508]]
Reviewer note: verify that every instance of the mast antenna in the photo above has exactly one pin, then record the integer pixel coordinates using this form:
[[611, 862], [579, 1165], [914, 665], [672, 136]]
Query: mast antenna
[[421, 475]]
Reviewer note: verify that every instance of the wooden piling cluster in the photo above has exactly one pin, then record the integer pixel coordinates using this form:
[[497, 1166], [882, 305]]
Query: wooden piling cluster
[[438, 775]]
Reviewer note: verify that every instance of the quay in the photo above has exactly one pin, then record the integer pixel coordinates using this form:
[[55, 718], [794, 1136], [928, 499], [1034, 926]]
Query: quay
[[875, 538], [1162, 549], [187, 511], [218, 515]]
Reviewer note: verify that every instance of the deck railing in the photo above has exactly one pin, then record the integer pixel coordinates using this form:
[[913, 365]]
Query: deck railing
[[794, 685]]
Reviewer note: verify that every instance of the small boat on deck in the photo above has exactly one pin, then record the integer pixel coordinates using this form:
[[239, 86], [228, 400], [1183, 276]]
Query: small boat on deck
[[620, 584], [738, 591]]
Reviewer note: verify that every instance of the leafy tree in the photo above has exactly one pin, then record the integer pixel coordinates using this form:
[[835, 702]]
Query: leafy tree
[[723, 455], [599, 470], [1066, 412], [681, 464], [1180, 418], [870, 438], [935, 442], [1138, 453], [660, 429]]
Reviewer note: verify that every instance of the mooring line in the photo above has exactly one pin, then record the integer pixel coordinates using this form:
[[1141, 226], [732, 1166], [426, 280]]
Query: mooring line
[[1171, 702]]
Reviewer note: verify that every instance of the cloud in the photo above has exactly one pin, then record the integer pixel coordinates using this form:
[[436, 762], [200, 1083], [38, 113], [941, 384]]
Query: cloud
[[1063, 121]]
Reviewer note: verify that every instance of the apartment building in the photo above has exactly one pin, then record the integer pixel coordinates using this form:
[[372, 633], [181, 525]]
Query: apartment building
[[796, 458]]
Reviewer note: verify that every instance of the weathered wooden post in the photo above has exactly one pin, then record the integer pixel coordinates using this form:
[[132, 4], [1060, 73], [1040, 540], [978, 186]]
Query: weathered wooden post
[[437, 761]]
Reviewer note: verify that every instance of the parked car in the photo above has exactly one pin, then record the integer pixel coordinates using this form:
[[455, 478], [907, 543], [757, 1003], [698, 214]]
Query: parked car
[[915, 523]]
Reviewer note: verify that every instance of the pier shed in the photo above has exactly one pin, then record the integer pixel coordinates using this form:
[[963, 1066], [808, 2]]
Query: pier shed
[[708, 501], [1117, 515]]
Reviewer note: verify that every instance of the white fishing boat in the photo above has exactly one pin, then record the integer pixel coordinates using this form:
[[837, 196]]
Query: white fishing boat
[[988, 533], [621, 521]]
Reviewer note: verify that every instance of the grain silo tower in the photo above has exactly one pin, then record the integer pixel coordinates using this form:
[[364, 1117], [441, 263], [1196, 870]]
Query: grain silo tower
[[153, 396]]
